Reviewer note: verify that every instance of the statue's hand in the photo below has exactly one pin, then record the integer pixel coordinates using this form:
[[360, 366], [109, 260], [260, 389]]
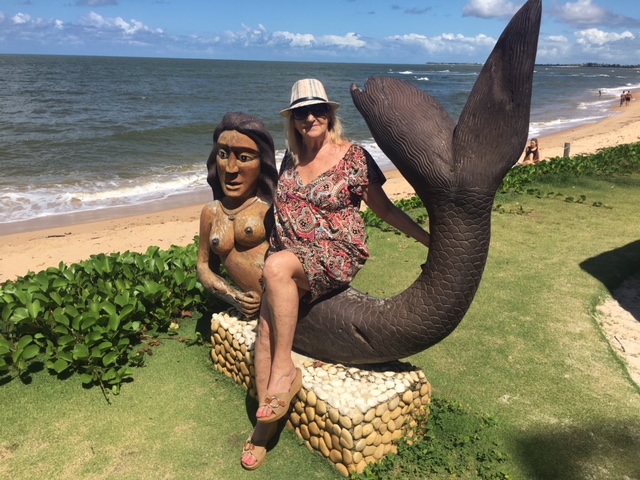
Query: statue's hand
[[249, 303]]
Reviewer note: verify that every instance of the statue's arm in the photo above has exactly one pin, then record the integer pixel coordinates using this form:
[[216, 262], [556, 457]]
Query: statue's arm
[[376, 199], [209, 263]]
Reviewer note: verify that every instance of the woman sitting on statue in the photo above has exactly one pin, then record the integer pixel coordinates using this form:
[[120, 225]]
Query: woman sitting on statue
[[318, 243]]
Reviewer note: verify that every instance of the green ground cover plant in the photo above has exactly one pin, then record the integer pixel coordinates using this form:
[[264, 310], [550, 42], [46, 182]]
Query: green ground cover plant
[[526, 387]]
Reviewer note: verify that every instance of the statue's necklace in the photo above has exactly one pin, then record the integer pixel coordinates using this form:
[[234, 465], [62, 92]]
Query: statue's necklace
[[232, 214]]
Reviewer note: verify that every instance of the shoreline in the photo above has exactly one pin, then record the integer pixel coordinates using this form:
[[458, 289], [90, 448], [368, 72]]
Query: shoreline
[[38, 244]]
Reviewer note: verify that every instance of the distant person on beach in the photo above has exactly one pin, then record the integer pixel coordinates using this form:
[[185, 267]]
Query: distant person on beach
[[623, 98], [318, 243], [628, 97], [235, 227], [531, 153]]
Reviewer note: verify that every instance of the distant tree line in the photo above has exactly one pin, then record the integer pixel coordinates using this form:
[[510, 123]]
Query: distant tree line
[[588, 64]]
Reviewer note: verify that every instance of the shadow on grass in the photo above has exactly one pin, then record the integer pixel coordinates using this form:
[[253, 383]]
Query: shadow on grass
[[614, 267], [576, 454]]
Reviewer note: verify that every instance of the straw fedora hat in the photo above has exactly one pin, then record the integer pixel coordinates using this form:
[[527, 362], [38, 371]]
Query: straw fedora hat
[[308, 91]]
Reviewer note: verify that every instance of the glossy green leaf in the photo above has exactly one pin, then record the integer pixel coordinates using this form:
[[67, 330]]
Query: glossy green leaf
[[80, 352], [110, 358], [60, 366], [30, 352]]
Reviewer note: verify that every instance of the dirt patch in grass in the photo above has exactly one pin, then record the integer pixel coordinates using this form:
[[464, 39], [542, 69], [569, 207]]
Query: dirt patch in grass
[[620, 320]]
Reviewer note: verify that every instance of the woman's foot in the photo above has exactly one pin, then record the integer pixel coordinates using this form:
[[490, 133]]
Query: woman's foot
[[254, 450], [275, 406]]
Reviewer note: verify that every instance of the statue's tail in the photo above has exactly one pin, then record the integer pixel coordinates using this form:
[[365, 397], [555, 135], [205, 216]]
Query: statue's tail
[[494, 124]]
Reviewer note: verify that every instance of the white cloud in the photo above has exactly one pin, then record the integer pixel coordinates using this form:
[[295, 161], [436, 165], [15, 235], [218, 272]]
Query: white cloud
[[295, 39], [587, 12], [583, 12], [593, 36], [490, 8], [96, 3], [118, 24], [350, 40], [21, 18], [448, 43]]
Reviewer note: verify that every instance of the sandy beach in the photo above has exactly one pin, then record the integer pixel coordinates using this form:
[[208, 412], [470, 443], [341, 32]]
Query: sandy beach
[[74, 238]]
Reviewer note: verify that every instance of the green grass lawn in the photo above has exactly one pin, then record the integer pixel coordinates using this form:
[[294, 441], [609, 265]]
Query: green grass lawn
[[529, 353]]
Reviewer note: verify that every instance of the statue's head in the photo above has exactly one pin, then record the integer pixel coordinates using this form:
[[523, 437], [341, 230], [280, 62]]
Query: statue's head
[[243, 150]]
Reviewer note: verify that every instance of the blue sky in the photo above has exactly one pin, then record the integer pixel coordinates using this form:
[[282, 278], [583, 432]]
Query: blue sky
[[375, 31]]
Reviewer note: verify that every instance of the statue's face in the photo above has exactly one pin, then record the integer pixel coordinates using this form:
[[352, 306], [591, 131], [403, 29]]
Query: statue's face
[[238, 164]]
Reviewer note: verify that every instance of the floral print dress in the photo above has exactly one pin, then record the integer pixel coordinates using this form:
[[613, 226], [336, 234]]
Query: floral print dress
[[320, 222]]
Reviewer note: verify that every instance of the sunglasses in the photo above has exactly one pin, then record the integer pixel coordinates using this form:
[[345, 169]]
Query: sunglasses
[[318, 110]]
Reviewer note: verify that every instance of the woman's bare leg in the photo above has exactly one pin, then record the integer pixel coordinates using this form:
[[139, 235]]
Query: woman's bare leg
[[285, 281]]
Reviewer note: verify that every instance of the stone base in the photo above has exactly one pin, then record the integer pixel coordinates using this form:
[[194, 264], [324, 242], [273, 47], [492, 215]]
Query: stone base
[[352, 416]]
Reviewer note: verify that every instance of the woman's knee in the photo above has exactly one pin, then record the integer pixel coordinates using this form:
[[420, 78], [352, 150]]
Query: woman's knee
[[280, 266]]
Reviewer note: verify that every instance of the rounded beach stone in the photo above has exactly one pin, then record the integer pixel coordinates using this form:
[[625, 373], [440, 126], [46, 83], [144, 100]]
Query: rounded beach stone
[[335, 456], [326, 437], [313, 428], [371, 438], [295, 418], [347, 457], [407, 397], [312, 398], [345, 422], [304, 431], [370, 415], [369, 450], [344, 471], [382, 408], [302, 395], [391, 425], [360, 466], [379, 453], [386, 416], [394, 402], [346, 440], [334, 415], [328, 425], [367, 428], [357, 432], [321, 407], [396, 413], [424, 389], [322, 446], [386, 438], [357, 418], [314, 442], [360, 445], [377, 422]]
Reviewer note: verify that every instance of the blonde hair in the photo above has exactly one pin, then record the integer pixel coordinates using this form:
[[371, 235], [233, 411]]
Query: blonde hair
[[294, 138]]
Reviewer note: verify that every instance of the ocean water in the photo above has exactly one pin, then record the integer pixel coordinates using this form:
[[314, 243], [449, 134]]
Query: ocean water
[[84, 134]]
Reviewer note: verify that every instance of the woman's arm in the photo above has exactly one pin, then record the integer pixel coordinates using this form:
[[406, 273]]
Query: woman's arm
[[376, 198]]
